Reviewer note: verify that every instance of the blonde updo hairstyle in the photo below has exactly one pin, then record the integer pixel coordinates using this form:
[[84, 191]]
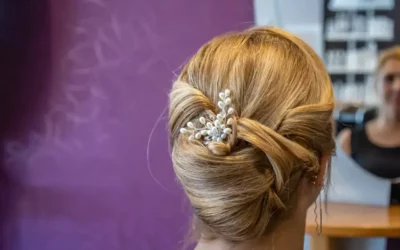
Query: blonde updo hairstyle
[[241, 188]]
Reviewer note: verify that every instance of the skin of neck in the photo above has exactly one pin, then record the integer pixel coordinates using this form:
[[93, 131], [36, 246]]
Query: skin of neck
[[288, 234], [386, 120]]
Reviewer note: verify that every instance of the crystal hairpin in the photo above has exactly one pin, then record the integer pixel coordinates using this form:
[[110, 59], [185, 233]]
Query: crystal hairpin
[[213, 128]]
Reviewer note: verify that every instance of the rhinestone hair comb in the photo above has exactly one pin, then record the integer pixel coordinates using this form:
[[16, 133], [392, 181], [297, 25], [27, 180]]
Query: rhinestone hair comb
[[213, 128]]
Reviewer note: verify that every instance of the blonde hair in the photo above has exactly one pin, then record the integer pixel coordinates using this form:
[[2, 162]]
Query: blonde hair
[[388, 54], [284, 101]]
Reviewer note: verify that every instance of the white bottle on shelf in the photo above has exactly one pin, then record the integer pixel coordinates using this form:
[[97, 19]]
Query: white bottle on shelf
[[388, 28], [380, 24], [371, 97], [351, 60], [360, 92], [371, 56], [337, 59], [372, 27], [351, 92], [338, 90], [342, 58], [329, 59], [330, 28], [342, 23], [359, 26], [362, 54]]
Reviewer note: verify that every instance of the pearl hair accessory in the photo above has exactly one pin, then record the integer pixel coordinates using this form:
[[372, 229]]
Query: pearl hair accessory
[[213, 128]]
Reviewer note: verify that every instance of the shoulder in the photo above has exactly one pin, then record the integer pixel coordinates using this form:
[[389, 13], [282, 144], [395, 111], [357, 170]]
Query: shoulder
[[344, 140]]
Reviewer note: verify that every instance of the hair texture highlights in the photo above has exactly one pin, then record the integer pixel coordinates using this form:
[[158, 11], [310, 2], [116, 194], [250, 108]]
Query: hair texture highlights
[[388, 54], [283, 97]]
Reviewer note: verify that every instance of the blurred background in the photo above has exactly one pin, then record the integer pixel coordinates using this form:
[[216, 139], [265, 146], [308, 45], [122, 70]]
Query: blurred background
[[348, 35], [85, 160]]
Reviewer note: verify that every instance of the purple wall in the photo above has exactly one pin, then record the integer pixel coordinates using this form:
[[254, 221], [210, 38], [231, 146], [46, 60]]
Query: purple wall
[[92, 80]]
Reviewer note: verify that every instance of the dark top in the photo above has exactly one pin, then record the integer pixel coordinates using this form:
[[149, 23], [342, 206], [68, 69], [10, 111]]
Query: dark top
[[383, 162]]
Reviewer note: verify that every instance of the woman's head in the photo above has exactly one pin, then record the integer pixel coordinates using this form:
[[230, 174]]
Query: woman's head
[[282, 128], [388, 74]]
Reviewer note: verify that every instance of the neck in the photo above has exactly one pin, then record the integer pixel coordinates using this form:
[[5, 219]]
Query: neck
[[288, 235], [387, 122]]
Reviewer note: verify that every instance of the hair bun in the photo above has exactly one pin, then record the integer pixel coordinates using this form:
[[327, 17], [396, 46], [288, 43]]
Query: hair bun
[[244, 183], [219, 148]]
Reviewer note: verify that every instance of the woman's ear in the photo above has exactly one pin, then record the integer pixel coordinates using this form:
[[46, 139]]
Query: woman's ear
[[322, 170]]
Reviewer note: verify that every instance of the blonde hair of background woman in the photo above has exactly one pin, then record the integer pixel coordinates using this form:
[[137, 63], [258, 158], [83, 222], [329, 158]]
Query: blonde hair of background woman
[[388, 54], [242, 188]]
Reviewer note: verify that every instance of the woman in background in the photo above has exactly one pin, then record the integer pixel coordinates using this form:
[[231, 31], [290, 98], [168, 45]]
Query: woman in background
[[251, 136], [376, 146]]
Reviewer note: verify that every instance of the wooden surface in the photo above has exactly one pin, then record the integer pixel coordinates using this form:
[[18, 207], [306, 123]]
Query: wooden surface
[[323, 243], [350, 220]]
